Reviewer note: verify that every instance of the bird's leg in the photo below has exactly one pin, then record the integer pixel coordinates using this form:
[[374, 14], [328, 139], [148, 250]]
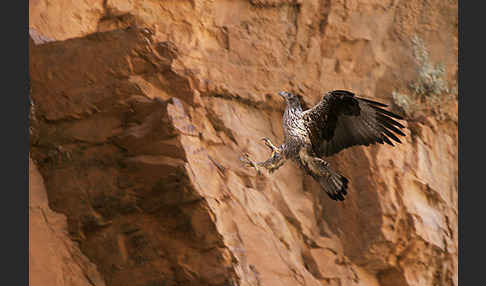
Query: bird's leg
[[271, 164], [275, 150], [276, 160], [333, 183], [245, 158], [314, 164]]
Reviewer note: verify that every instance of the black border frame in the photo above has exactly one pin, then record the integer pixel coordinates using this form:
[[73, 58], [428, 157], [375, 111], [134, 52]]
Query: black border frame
[[470, 112], [15, 144]]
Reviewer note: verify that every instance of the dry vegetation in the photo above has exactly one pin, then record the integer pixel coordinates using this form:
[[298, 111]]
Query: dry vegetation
[[430, 89]]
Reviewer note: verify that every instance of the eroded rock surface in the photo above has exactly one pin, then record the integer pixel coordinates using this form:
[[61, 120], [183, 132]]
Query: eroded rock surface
[[54, 259], [137, 133]]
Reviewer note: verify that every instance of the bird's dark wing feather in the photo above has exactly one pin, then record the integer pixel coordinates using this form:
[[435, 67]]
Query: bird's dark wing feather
[[342, 120]]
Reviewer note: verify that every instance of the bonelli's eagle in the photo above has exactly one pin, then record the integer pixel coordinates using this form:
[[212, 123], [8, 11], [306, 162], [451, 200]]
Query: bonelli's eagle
[[340, 120]]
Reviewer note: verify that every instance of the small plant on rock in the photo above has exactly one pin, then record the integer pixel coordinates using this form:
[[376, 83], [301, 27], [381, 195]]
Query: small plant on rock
[[431, 78], [431, 84]]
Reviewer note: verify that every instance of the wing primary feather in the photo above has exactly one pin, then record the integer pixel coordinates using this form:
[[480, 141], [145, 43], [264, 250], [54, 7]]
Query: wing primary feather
[[373, 125], [382, 118], [386, 112], [387, 140], [342, 92], [389, 134], [392, 128], [372, 102]]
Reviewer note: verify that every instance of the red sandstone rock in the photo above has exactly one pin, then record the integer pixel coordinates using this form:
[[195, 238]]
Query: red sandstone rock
[[54, 259]]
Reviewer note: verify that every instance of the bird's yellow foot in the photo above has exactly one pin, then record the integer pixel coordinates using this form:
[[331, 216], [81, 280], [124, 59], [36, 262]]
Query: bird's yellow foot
[[245, 158], [275, 150]]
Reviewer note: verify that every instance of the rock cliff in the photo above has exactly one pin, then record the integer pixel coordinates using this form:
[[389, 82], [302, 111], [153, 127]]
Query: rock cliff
[[140, 110]]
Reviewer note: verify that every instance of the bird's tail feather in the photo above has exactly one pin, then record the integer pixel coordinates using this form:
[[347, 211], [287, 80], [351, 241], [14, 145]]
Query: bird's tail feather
[[335, 185]]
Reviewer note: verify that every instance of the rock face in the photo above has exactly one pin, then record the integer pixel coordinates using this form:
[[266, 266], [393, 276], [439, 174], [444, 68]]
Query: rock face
[[140, 110], [53, 257]]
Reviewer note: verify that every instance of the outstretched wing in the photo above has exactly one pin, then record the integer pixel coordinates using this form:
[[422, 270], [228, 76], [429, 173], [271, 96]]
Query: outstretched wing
[[342, 120]]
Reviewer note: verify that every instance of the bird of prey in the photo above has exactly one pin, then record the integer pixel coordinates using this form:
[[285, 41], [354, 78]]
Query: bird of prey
[[340, 120]]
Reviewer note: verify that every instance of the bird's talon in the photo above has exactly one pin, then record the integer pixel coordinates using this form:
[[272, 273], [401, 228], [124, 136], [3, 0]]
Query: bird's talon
[[270, 145], [245, 158]]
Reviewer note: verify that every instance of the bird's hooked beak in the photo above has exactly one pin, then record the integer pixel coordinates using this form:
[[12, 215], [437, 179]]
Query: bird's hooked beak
[[283, 94]]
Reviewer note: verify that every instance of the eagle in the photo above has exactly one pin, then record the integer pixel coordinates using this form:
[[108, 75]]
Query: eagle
[[340, 120]]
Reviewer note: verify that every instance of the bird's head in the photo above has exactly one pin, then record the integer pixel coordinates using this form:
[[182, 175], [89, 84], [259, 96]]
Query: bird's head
[[290, 98]]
